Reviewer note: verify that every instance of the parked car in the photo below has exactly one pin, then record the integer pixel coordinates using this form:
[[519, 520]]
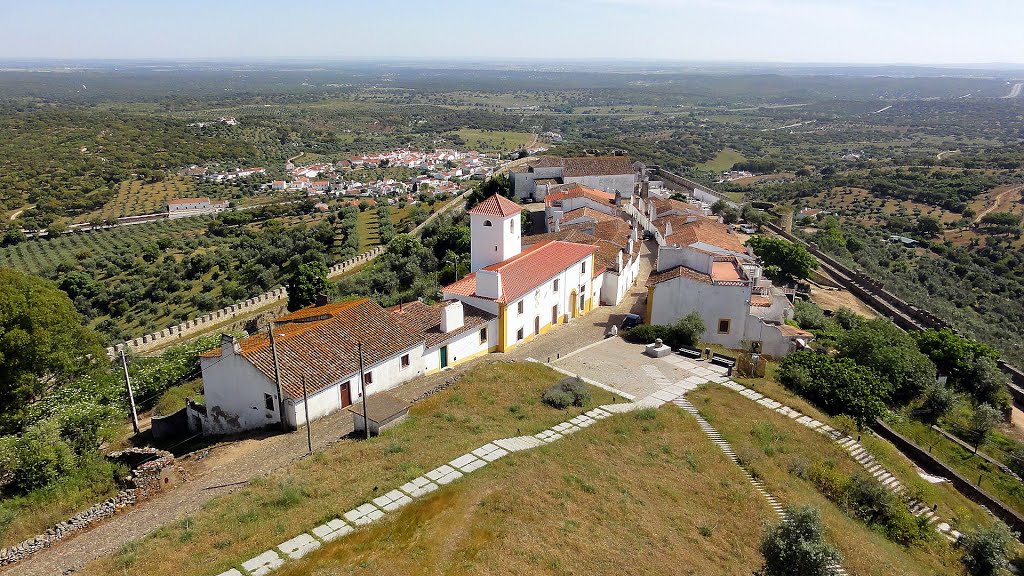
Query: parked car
[[748, 229], [631, 320], [648, 235]]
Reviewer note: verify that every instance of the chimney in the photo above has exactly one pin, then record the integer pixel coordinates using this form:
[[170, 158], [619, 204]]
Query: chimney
[[452, 316], [321, 300], [668, 229], [488, 284], [229, 345]]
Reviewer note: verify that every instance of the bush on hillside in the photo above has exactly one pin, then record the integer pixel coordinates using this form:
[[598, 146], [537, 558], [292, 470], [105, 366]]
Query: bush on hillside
[[986, 550], [796, 546], [837, 385], [568, 392]]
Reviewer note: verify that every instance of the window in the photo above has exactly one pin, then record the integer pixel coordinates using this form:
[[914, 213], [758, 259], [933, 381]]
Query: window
[[483, 335], [268, 401], [487, 223], [519, 335], [405, 361], [512, 225], [519, 307], [583, 299], [583, 267], [723, 326], [367, 378], [554, 285]]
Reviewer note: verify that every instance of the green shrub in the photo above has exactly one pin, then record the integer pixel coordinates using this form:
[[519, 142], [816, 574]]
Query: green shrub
[[986, 550], [683, 332], [568, 392], [797, 546], [557, 398]]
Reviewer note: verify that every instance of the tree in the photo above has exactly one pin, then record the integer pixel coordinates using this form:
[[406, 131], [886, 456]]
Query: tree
[[783, 260], [308, 282], [838, 385], [499, 184], [983, 420], [796, 546], [43, 344], [718, 207], [13, 236], [56, 228], [687, 330], [938, 400], [986, 550], [882, 346], [929, 226]]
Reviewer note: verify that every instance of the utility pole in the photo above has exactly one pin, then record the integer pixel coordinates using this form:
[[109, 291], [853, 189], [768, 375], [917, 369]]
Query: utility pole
[[131, 397], [362, 388], [305, 405], [277, 377]]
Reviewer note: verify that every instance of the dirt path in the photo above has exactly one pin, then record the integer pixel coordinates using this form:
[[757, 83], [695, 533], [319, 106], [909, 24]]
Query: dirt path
[[941, 154], [19, 212], [231, 465], [995, 202], [228, 467]]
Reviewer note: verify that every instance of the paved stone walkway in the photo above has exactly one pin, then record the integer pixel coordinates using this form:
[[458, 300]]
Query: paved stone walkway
[[687, 375], [369, 512]]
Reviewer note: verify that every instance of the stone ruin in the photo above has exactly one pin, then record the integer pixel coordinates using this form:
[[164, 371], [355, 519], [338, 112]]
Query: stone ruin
[[152, 470]]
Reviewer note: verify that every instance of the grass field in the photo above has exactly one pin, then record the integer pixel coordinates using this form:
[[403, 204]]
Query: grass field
[[133, 197], [776, 449], [494, 141], [723, 161], [492, 401], [640, 493]]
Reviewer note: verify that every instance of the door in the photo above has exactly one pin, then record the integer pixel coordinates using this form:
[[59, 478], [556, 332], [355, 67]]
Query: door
[[346, 394], [554, 314], [444, 356], [536, 325], [572, 302]]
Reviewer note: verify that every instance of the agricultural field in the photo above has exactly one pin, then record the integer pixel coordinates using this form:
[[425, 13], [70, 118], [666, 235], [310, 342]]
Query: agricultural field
[[134, 197], [494, 141], [723, 161]]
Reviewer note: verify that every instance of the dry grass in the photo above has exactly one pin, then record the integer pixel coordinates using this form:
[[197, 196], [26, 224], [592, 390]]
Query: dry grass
[[493, 401], [641, 493], [775, 447]]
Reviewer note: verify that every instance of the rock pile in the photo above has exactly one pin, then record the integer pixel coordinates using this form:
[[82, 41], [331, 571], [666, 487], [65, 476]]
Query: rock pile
[[442, 386]]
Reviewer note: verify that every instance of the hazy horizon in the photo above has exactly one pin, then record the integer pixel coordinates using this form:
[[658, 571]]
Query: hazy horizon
[[943, 33]]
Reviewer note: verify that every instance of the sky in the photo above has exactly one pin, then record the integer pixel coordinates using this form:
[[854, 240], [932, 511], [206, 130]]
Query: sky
[[794, 31]]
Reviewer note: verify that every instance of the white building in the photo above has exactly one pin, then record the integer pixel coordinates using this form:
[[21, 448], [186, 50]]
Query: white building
[[183, 207], [703, 268], [572, 203], [612, 174], [617, 259], [317, 348], [453, 332], [528, 291]]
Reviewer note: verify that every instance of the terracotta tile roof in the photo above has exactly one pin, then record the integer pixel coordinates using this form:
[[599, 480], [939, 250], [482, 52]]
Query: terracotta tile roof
[[596, 166], [760, 301], [577, 191], [320, 343], [187, 200], [678, 272], [527, 270], [793, 332], [707, 232], [572, 233], [726, 270], [663, 205], [426, 320], [497, 205], [586, 212]]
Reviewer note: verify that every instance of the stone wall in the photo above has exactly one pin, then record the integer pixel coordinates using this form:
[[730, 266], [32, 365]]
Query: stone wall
[[154, 471]]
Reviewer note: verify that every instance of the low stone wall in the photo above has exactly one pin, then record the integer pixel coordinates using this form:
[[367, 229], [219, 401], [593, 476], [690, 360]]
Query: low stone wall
[[930, 464], [449, 382], [148, 478]]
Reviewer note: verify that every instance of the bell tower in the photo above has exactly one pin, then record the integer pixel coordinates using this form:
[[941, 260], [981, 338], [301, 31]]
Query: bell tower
[[495, 231]]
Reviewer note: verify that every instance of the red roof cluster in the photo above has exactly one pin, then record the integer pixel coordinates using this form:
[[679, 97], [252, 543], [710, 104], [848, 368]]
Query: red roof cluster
[[527, 270], [497, 205]]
